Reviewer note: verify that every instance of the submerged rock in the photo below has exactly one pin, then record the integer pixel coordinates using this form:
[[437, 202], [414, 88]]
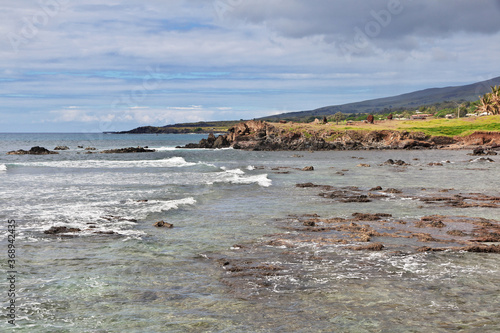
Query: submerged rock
[[395, 162], [163, 224], [60, 230], [377, 188], [308, 168], [128, 150], [482, 159]]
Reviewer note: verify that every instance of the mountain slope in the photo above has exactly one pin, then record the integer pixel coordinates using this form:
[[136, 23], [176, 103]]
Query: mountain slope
[[410, 101]]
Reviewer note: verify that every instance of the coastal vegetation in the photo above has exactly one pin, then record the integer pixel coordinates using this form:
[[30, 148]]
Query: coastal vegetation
[[434, 127]]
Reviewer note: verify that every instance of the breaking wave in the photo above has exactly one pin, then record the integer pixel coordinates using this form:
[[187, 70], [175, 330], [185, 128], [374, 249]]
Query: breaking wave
[[238, 176], [173, 162]]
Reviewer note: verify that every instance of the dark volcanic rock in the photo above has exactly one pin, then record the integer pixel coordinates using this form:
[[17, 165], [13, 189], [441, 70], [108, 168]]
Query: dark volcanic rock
[[60, 230], [221, 142], [163, 224], [128, 150], [211, 143], [304, 185], [33, 151], [479, 151], [395, 162], [61, 148]]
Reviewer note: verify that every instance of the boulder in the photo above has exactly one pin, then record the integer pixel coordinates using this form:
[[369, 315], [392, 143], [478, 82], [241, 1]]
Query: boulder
[[61, 148], [395, 162], [308, 168], [163, 224]]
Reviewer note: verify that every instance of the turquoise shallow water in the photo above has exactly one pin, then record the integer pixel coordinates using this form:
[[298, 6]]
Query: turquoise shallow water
[[144, 279]]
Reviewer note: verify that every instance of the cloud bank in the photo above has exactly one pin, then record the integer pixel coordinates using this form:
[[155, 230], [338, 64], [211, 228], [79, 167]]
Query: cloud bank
[[69, 65]]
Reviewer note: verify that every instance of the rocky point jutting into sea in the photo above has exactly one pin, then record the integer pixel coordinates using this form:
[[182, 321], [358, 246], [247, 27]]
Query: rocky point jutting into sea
[[259, 135]]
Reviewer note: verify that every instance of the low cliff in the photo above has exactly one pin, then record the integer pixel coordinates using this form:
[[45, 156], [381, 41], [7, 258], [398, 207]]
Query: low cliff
[[259, 135]]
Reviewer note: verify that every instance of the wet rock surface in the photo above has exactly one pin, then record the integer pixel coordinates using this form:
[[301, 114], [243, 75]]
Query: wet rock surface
[[445, 198], [60, 230], [341, 246], [329, 246], [33, 151], [163, 224], [128, 150]]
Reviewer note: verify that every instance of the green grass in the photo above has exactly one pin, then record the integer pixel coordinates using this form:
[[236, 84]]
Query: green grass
[[455, 127], [434, 127]]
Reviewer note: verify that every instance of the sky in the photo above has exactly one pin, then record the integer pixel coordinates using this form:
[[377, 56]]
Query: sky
[[94, 66]]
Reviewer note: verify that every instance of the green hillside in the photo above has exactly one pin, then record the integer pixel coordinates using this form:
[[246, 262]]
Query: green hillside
[[409, 101]]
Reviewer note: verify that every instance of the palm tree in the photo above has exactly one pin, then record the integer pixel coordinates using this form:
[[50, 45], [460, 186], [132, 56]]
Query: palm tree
[[495, 99], [490, 102]]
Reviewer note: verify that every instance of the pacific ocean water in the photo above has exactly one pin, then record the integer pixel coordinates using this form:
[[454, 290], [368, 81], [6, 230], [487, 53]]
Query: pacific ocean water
[[122, 274]]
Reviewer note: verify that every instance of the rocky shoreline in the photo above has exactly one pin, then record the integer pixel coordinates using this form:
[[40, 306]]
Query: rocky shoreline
[[263, 136], [341, 246]]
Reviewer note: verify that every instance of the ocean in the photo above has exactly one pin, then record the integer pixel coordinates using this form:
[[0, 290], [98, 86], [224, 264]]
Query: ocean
[[120, 273]]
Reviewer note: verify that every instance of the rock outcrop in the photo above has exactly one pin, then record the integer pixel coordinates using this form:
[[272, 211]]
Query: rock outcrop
[[33, 151]]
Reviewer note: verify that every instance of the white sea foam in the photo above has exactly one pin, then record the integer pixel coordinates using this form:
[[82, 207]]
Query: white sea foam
[[141, 209], [3, 167], [119, 217], [238, 176], [250, 168], [164, 148], [173, 162]]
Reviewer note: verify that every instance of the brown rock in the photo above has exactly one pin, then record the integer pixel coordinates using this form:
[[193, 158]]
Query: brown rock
[[369, 247], [308, 168], [163, 224], [393, 190], [483, 248]]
